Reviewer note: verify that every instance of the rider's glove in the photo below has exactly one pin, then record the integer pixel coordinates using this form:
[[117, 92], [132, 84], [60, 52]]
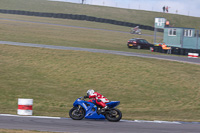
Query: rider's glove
[[86, 96]]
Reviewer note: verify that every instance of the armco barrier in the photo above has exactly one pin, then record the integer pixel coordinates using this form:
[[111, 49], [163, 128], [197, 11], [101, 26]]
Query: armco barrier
[[76, 17], [176, 50], [188, 51], [195, 51], [155, 48], [182, 51], [158, 49]]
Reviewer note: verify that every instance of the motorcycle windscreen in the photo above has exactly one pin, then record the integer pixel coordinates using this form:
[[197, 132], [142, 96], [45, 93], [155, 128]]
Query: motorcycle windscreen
[[113, 104]]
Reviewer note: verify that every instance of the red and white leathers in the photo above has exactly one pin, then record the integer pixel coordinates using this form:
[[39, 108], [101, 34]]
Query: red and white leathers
[[102, 100]]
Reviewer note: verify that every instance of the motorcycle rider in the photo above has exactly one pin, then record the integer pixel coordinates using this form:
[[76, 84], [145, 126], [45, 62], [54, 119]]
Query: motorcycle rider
[[136, 28], [97, 98]]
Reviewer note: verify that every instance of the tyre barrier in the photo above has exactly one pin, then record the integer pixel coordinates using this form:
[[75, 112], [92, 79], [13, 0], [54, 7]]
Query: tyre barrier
[[186, 51], [107, 21], [195, 51], [3, 11], [73, 16], [98, 19], [129, 24], [68, 16], [157, 49], [101, 20], [182, 51], [77, 17], [82, 17], [176, 50], [88, 18], [112, 21]]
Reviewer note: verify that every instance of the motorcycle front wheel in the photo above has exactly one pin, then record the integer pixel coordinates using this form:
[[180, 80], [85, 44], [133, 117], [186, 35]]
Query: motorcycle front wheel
[[113, 115], [77, 113]]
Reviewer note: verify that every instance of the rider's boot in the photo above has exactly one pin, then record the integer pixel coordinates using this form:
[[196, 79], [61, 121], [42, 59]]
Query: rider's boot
[[104, 109]]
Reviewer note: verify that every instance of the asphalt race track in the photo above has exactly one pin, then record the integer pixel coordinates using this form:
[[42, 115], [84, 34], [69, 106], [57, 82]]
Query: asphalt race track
[[162, 57], [57, 124]]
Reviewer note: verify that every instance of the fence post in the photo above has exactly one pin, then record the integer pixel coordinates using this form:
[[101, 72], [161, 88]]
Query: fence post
[[197, 35], [155, 31], [182, 37]]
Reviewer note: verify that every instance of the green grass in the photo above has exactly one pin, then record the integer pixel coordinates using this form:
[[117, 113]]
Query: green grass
[[66, 36], [147, 88], [128, 15]]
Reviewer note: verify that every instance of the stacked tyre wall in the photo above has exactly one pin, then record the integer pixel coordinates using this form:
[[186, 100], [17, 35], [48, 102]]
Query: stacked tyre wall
[[77, 17], [177, 50]]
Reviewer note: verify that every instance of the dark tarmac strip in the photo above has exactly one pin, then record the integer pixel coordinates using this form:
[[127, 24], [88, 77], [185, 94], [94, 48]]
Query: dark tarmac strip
[[161, 57], [56, 124]]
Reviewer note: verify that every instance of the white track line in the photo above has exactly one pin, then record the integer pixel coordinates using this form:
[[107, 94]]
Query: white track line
[[135, 121]]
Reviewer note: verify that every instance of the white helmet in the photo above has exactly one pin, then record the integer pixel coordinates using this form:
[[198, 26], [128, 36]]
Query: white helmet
[[90, 92]]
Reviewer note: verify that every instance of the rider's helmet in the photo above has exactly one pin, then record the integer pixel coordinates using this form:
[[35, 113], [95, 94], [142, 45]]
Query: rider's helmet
[[90, 92]]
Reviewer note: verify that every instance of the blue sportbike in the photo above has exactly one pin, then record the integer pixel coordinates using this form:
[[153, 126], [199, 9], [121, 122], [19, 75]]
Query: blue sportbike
[[84, 109]]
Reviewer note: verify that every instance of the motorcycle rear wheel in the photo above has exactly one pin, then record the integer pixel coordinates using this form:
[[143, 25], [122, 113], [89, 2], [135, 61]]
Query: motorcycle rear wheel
[[76, 114], [114, 115]]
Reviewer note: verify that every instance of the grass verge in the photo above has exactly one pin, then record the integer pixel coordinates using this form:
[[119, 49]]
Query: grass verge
[[39, 33], [147, 88]]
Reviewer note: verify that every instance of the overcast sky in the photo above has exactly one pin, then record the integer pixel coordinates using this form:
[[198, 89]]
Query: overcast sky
[[184, 7]]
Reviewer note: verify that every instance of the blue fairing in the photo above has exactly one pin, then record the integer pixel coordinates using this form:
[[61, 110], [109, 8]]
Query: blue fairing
[[91, 108], [113, 104]]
